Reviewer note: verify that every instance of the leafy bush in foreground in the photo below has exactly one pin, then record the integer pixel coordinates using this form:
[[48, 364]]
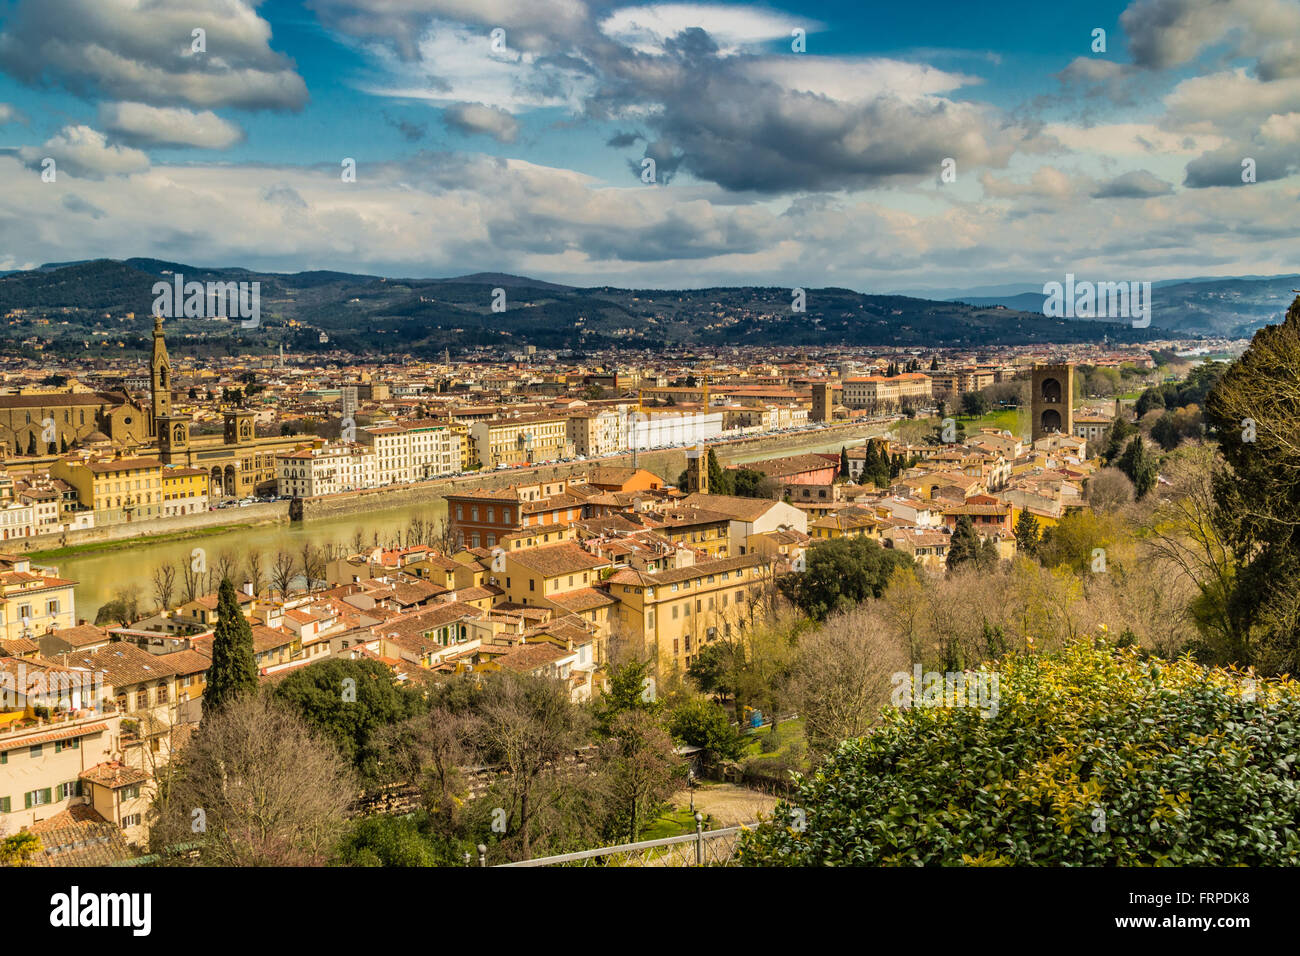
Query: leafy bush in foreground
[[1095, 756]]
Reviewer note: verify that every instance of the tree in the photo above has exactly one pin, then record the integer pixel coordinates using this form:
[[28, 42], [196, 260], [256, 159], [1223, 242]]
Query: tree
[[1151, 398], [964, 545], [1027, 533], [841, 677], [699, 722], [123, 609], [638, 768], [974, 404], [1140, 466], [347, 702], [282, 572], [627, 691], [720, 480], [19, 848], [1120, 430], [233, 673], [1109, 489], [1254, 413], [164, 586], [1165, 431], [844, 463], [1039, 769], [840, 573], [529, 727], [256, 788]]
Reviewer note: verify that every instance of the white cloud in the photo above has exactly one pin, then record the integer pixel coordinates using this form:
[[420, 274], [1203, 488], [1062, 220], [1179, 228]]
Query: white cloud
[[168, 126], [133, 50], [734, 29], [84, 152]]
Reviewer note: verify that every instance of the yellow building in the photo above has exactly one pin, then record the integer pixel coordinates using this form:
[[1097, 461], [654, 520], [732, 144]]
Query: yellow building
[[673, 614], [849, 523], [698, 528], [185, 490], [119, 489], [33, 601], [516, 441]]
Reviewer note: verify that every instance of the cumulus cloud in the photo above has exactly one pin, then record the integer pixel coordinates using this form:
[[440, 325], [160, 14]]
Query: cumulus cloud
[[142, 52], [144, 125], [10, 114], [474, 118], [85, 153]]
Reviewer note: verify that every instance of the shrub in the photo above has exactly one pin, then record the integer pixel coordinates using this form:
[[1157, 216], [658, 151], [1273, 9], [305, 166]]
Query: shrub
[[1095, 756]]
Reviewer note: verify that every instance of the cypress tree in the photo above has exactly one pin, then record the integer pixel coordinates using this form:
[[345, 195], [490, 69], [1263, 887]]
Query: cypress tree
[[1140, 466], [965, 543], [1026, 532], [844, 462], [234, 668]]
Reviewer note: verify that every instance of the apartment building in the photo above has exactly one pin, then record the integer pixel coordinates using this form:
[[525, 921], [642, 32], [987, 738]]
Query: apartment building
[[324, 470], [414, 452], [33, 600], [116, 490], [184, 490], [521, 441], [672, 614], [884, 391]]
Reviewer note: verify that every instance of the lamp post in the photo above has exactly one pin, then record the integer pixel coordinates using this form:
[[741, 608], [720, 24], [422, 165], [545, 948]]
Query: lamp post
[[690, 782]]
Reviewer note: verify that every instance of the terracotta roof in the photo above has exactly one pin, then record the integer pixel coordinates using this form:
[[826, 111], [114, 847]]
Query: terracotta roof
[[114, 775]]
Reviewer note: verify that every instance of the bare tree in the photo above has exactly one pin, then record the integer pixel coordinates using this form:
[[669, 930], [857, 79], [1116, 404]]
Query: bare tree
[[282, 571], [191, 580], [255, 571], [164, 585], [529, 727], [841, 677], [1109, 490], [311, 564], [224, 567], [444, 539], [268, 792]]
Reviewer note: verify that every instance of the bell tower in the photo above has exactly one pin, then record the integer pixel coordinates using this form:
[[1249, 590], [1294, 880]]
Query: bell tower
[[161, 386]]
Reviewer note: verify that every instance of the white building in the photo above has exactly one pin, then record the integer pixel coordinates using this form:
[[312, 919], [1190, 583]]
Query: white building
[[325, 470], [413, 452], [658, 429]]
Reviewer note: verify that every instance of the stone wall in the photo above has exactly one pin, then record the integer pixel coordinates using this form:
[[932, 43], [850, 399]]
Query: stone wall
[[261, 513]]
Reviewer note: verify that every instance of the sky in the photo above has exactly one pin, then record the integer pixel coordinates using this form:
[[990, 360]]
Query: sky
[[871, 146]]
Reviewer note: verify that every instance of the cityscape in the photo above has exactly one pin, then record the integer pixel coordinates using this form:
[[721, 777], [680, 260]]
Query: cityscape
[[670, 435]]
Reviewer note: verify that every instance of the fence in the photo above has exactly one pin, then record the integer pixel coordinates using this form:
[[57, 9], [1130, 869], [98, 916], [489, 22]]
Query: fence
[[701, 848]]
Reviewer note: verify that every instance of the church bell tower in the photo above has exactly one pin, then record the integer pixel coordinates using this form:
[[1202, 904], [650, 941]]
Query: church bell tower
[[161, 367]]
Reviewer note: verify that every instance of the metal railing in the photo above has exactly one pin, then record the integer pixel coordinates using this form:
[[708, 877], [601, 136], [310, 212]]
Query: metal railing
[[701, 848]]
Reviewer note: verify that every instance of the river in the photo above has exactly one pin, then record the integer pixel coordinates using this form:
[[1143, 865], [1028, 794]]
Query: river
[[100, 575]]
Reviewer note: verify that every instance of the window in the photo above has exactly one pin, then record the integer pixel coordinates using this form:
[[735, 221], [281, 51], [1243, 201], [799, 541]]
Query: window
[[142, 698], [531, 584], [675, 611], [4, 805], [62, 745], [66, 790], [130, 820], [37, 798], [131, 792], [162, 695], [35, 751]]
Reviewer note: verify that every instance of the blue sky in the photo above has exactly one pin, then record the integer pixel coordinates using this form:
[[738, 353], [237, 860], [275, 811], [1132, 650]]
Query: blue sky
[[773, 167]]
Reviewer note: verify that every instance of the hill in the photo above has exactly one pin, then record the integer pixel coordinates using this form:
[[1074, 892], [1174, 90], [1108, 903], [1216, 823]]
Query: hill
[[362, 314]]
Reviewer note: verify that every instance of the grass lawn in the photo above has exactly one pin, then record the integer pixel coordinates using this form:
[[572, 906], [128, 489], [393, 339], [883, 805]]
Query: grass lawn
[[675, 822], [788, 733], [1001, 418]]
